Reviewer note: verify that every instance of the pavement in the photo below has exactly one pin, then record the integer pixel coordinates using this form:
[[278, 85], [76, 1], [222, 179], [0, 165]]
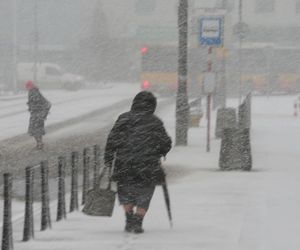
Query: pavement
[[212, 209]]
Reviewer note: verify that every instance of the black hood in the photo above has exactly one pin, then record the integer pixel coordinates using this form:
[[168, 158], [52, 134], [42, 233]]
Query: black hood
[[144, 102]]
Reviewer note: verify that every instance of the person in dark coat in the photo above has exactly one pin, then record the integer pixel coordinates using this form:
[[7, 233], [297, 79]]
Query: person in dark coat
[[136, 144], [39, 107]]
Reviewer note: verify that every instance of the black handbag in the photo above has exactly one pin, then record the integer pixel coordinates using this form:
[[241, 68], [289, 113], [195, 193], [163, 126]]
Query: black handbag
[[100, 202]]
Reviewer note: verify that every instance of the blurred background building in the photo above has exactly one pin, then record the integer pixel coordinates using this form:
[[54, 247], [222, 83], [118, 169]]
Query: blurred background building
[[101, 39]]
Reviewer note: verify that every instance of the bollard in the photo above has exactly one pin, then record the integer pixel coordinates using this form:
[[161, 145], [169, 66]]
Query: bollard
[[96, 164], [45, 213], [226, 118], [245, 150], [61, 203], [244, 113], [229, 153], [28, 232], [74, 182], [7, 233], [86, 174], [242, 120], [226, 149]]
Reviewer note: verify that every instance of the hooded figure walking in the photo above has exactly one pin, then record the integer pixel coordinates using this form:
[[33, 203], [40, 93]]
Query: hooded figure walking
[[136, 144], [39, 107]]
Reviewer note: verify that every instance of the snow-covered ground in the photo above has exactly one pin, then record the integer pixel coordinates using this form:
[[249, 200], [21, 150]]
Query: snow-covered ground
[[212, 210]]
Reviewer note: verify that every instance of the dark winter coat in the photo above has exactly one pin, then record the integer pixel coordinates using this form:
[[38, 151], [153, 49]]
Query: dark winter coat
[[136, 143], [39, 107]]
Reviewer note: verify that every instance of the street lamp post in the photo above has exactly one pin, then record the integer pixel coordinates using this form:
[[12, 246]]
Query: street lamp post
[[240, 37], [182, 107]]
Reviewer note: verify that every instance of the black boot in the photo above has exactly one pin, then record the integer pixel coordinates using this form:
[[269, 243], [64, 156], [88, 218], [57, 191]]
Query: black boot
[[138, 221], [129, 222]]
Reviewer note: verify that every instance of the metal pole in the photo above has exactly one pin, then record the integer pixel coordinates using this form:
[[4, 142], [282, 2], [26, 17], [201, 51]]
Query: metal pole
[[45, 213], [86, 174], [15, 46], [96, 164], [7, 232], [28, 232], [61, 202], [74, 182], [182, 107], [36, 40], [209, 68], [240, 52], [224, 80]]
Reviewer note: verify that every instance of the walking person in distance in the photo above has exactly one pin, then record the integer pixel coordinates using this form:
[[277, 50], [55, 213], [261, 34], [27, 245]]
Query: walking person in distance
[[38, 107], [136, 144]]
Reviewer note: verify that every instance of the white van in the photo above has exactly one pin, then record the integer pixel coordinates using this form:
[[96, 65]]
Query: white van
[[49, 76]]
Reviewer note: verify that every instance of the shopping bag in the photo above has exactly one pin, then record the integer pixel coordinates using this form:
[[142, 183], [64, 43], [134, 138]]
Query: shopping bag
[[99, 201]]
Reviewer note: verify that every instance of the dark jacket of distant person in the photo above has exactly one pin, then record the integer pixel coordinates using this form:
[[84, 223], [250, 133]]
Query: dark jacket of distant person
[[39, 107], [137, 142]]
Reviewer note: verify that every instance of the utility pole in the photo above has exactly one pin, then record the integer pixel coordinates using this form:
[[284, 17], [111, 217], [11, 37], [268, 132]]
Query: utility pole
[[223, 87], [240, 37], [36, 41], [15, 47], [182, 107]]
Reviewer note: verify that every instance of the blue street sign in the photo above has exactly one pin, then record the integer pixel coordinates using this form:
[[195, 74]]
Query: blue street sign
[[211, 31]]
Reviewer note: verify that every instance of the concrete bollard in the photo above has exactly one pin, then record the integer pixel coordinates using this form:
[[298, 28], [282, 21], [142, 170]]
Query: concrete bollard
[[226, 118], [242, 116], [28, 232], [245, 149], [61, 203], [7, 232], [45, 213], [74, 182], [226, 154], [230, 154]]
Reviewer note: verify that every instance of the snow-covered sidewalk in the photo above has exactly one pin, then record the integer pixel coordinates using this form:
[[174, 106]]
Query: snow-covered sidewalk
[[212, 210]]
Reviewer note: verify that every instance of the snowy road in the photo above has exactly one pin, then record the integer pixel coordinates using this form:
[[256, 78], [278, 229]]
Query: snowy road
[[65, 105], [212, 210], [77, 119]]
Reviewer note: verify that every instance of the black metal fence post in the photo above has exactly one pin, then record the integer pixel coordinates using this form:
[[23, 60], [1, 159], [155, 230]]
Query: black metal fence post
[[61, 203], [45, 215], [28, 232], [96, 163], [86, 174], [7, 234], [74, 182]]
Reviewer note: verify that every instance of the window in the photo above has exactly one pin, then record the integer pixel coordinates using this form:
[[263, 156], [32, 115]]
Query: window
[[264, 6], [144, 6], [52, 71], [297, 6]]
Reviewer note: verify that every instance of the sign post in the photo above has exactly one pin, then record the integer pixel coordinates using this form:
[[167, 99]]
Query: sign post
[[211, 35]]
